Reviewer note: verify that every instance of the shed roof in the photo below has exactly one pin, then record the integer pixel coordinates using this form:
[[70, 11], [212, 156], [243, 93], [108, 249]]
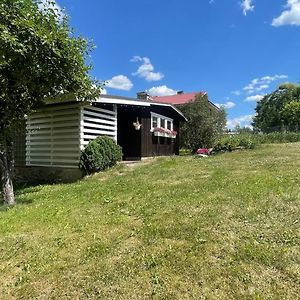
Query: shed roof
[[178, 99]]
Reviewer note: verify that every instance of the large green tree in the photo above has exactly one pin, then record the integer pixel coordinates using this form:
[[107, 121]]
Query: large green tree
[[205, 122], [273, 112], [291, 115], [40, 59]]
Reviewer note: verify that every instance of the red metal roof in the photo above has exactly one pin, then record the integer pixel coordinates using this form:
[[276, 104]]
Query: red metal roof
[[178, 98]]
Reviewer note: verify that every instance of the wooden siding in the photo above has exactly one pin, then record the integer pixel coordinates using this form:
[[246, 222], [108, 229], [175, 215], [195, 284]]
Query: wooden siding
[[157, 146], [52, 138], [143, 143], [56, 134], [96, 121]]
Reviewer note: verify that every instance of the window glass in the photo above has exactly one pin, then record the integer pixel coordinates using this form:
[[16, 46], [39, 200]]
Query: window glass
[[154, 122], [161, 121], [169, 125]]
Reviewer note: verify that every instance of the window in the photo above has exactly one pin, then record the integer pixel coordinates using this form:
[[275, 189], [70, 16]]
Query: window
[[169, 125], [154, 122], [159, 121]]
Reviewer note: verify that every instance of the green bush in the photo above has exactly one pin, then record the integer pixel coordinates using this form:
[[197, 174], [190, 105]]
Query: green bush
[[100, 154], [184, 151], [278, 137], [250, 140], [233, 142]]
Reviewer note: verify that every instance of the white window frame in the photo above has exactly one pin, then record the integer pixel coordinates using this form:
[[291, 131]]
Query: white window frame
[[159, 117]]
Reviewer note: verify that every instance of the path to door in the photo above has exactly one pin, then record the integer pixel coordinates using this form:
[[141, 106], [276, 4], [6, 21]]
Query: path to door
[[134, 163]]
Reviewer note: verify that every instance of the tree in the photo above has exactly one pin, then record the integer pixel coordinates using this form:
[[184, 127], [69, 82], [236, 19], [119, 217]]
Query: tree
[[291, 115], [40, 59], [269, 111], [205, 123]]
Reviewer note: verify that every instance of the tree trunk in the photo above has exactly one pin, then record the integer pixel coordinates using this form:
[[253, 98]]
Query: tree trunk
[[6, 170]]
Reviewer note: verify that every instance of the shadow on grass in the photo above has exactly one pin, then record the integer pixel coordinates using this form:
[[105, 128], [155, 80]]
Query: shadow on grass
[[25, 189], [22, 195], [19, 201]]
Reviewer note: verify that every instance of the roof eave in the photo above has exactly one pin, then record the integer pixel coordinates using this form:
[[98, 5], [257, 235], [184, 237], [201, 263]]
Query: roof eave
[[172, 106], [131, 101]]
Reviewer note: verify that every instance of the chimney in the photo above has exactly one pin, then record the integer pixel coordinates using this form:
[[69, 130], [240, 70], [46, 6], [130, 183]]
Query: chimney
[[179, 92], [144, 96]]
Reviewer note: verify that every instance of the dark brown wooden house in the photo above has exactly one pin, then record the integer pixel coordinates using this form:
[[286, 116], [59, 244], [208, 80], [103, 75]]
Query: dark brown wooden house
[[146, 128], [57, 133]]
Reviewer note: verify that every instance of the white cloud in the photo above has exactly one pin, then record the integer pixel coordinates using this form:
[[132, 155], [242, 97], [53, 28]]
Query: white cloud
[[162, 90], [103, 91], [227, 105], [259, 84], [269, 79], [262, 87], [146, 69], [247, 5], [243, 121], [236, 93], [120, 82], [254, 98], [290, 16]]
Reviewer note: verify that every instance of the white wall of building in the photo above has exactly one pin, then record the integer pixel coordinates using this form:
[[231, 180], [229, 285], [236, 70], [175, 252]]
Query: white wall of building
[[56, 134]]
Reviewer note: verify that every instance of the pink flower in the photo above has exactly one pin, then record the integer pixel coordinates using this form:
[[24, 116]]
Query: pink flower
[[203, 151], [165, 130]]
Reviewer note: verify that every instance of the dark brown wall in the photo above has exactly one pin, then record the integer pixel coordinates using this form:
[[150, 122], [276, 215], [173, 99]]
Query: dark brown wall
[[157, 146], [129, 138], [142, 143]]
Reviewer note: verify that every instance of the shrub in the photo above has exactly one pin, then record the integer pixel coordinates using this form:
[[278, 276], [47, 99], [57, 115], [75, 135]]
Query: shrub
[[279, 137], [204, 124], [184, 151], [233, 142], [100, 154], [250, 140]]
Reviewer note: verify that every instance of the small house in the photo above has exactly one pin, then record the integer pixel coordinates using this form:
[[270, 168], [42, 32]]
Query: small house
[[58, 132]]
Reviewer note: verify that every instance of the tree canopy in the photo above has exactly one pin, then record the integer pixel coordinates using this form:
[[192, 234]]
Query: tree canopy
[[40, 59], [291, 115], [279, 110], [205, 123]]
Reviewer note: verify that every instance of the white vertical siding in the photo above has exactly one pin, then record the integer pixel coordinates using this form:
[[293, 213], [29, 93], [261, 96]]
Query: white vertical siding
[[53, 134], [95, 122]]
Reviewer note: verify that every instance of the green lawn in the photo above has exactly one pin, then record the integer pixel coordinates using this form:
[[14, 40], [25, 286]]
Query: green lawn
[[224, 227]]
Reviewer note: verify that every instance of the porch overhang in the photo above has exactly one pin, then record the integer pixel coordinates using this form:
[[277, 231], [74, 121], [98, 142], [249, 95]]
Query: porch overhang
[[107, 99]]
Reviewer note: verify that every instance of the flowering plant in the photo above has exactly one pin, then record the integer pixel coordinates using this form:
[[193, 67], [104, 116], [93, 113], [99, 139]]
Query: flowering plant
[[172, 133], [203, 151], [158, 129]]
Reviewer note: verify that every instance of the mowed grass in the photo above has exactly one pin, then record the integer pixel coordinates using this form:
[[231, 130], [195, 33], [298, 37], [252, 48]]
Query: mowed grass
[[223, 227]]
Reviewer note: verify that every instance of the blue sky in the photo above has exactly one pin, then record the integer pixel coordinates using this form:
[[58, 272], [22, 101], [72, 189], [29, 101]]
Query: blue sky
[[236, 50]]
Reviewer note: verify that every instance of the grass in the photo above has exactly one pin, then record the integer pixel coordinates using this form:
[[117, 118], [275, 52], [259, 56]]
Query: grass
[[223, 227]]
